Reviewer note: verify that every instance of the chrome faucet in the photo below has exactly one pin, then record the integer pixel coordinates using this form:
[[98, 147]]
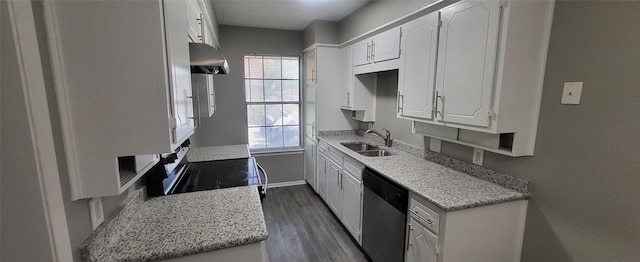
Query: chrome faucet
[[388, 142]]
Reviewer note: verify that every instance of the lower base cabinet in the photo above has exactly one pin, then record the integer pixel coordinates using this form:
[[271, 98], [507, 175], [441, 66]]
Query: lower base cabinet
[[421, 243], [482, 234], [341, 188]]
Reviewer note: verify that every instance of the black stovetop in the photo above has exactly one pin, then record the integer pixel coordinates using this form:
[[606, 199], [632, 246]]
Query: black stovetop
[[217, 174]]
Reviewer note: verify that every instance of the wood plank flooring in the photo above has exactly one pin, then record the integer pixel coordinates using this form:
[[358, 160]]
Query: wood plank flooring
[[302, 228]]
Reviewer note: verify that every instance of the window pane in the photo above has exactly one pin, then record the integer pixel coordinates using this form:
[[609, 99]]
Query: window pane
[[290, 90], [291, 114], [272, 68], [257, 138], [274, 136], [246, 67], [255, 115], [255, 67], [257, 90], [273, 115], [290, 68], [291, 136], [272, 91]]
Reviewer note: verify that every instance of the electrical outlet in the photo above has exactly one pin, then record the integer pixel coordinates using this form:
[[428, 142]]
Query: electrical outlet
[[435, 144], [97, 213], [571, 93], [478, 156]]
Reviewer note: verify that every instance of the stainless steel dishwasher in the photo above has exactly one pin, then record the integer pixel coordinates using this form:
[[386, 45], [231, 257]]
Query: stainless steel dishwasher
[[384, 216]]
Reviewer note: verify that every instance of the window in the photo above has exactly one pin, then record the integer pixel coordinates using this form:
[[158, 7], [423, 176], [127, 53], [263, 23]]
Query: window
[[272, 87]]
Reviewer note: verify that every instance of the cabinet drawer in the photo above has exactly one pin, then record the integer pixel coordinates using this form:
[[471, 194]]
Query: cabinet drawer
[[353, 167], [336, 156], [426, 216], [323, 147]]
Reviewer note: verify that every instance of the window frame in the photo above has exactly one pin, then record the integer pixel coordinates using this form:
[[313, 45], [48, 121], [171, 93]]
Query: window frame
[[283, 149]]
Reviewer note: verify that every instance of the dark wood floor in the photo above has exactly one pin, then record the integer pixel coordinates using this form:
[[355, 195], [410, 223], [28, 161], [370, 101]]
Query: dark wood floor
[[302, 228]]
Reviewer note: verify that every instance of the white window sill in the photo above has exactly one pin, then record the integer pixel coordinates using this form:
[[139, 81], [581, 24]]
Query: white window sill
[[277, 151]]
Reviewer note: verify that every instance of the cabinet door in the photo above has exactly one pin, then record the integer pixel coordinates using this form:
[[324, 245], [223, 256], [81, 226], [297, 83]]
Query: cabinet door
[[310, 162], [422, 244], [179, 70], [361, 52], [334, 193], [310, 67], [321, 172], [310, 111], [211, 96], [467, 60], [194, 19], [386, 45], [351, 204], [346, 78], [416, 80]]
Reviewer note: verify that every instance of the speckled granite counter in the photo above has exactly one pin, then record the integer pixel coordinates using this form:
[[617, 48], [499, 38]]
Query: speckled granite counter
[[218, 153], [443, 186], [178, 225]]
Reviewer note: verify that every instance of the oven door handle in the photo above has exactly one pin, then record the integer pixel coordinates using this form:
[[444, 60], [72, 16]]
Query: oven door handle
[[266, 178]]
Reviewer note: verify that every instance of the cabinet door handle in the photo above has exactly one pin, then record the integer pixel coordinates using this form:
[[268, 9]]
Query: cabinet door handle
[[438, 96], [201, 20], [368, 51], [373, 51], [400, 102], [408, 237]]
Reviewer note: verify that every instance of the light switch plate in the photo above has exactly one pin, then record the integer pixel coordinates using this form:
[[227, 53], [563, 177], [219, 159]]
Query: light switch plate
[[435, 144], [478, 156], [96, 211], [571, 93]]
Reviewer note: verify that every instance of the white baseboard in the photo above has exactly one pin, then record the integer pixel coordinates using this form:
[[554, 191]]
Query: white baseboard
[[289, 183]]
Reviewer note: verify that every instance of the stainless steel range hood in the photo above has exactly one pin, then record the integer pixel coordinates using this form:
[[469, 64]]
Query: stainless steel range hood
[[205, 59]]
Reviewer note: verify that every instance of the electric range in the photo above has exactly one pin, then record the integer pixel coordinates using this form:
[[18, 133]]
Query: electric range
[[175, 175]]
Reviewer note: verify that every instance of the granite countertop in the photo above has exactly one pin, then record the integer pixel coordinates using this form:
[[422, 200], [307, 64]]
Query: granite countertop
[[178, 225], [211, 153], [445, 187]]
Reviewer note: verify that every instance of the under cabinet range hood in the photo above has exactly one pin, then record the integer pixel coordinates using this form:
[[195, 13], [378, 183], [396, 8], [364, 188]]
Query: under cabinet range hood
[[205, 59]]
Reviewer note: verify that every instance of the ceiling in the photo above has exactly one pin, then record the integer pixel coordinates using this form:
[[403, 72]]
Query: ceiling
[[282, 14]]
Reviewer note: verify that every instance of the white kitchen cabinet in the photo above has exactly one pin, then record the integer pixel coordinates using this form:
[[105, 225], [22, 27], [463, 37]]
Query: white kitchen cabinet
[[417, 74], [346, 78], [357, 92], [321, 174], [310, 67], [381, 47], [467, 62], [421, 245], [489, 74], [204, 97], [343, 187], [310, 155], [483, 234], [334, 187], [352, 203], [132, 97], [194, 22]]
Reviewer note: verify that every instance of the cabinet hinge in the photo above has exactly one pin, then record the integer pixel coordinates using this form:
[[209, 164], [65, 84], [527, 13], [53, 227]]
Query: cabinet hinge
[[437, 249]]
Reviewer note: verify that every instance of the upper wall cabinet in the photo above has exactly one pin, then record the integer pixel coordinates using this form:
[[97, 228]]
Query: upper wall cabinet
[[417, 74], [368, 55], [195, 22], [490, 68], [122, 90]]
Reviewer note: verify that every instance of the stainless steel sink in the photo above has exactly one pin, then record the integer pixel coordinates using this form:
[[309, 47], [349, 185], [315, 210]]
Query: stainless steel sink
[[359, 146], [366, 149], [378, 152]]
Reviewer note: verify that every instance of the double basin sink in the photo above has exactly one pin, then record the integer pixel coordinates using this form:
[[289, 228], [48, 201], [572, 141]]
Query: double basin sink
[[366, 149]]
